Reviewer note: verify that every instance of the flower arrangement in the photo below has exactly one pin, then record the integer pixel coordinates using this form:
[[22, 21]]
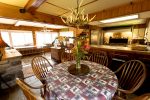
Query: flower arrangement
[[79, 51]]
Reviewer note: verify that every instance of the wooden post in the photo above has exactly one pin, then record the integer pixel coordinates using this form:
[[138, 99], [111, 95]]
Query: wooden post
[[34, 38]]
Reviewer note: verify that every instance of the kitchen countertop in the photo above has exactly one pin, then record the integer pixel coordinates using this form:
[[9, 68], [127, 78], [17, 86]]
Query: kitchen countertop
[[11, 53], [122, 48]]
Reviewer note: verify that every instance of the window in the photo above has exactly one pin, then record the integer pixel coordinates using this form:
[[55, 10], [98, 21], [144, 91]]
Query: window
[[68, 34], [22, 38], [54, 35], [43, 38]]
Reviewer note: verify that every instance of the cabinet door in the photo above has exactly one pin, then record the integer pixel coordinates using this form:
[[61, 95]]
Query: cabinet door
[[56, 53]]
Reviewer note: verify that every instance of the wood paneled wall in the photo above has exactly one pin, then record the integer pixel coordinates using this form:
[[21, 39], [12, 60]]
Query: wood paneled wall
[[126, 9]]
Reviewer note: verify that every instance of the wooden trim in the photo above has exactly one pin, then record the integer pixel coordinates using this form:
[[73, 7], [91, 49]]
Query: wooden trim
[[34, 38], [29, 3], [126, 9]]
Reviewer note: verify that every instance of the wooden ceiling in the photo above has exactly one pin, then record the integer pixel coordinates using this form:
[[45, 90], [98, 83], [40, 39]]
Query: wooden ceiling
[[61, 7], [48, 11]]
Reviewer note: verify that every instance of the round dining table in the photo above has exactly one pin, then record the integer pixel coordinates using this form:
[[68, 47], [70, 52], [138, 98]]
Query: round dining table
[[99, 84]]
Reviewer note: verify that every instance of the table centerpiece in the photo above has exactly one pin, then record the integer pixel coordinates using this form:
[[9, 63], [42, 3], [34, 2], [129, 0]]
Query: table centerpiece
[[79, 53]]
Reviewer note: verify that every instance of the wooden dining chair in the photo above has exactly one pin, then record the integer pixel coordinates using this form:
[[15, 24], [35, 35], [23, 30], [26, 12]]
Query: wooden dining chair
[[40, 67], [28, 90], [99, 57], [130, 76], [145, 96], [32, 95], [65, 56], [69, 47]]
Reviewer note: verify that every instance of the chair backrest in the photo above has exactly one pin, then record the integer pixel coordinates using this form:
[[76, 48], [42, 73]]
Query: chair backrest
[[99, 57], [131, 75], [40, 67], [30, 95], [65, 56]]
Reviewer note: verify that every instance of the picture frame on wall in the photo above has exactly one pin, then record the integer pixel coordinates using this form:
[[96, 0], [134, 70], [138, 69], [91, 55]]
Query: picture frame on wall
[[94, 37]]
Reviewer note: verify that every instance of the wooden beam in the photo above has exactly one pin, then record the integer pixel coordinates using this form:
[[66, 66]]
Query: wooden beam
[[9, 11], [32, 5], [131, 8], [26, 28], [29, 4]]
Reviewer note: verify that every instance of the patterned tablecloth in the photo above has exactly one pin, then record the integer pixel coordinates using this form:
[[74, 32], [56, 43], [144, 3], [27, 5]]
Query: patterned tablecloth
[[100, 84]]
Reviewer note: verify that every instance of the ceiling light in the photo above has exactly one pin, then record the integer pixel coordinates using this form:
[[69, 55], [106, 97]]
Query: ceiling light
[[7, 21], [119, 19], [37, 24], [2, 45]]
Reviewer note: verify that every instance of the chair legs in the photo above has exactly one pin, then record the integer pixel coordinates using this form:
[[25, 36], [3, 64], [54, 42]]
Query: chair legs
[[45, 91]]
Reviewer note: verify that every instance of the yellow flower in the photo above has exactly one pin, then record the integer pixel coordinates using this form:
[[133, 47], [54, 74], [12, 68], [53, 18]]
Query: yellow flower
[[61, 38]]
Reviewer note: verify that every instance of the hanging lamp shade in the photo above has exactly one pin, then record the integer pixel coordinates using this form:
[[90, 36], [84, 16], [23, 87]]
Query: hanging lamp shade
[[2, 43]]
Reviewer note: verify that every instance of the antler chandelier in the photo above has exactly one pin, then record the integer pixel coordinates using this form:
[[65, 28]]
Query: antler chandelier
[[77, 17]]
